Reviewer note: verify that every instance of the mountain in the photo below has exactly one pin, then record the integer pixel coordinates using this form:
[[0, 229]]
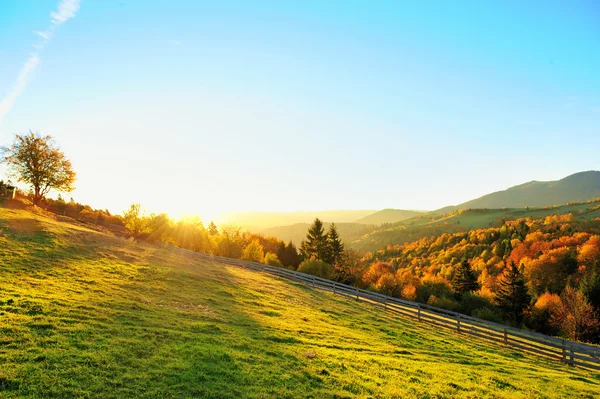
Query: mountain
[[262, 220], [388, 216], [579, 187]]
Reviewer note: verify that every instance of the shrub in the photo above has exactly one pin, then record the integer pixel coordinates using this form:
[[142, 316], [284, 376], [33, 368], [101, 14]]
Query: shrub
[[316, 268], [444, 303], [271, 259], [253, 252], [472, 301], [487, 314], [433, 285]]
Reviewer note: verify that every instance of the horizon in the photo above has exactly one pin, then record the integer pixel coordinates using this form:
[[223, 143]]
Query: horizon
[[214, 108]]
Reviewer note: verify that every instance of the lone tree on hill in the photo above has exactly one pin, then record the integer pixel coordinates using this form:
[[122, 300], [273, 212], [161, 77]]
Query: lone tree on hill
[[464, 279], [335, 245], [37, 161], [316, 245], [512, 296]]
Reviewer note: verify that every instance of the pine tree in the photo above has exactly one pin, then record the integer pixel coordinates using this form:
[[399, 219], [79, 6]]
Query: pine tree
[[464, 279], [336, 248], [212, 229], [316, 246], [512, 296], [291, 255]]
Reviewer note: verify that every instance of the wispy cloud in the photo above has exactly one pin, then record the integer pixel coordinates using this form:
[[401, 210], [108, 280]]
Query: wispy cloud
[[66, 10]]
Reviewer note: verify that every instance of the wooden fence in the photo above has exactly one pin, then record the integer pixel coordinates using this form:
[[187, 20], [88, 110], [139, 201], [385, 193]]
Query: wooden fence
[[569, 352]]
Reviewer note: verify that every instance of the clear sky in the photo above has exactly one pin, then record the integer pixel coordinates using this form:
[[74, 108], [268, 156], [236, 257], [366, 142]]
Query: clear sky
[[211, 106]]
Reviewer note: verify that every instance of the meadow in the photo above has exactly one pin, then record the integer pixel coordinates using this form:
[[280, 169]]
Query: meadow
[[86, 314]]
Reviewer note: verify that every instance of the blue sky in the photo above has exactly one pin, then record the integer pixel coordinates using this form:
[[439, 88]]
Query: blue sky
[[205, 107]]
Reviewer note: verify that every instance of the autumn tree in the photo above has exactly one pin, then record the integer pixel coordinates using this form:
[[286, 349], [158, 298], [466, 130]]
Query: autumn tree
[[212, 229], [336, 248], [575, 317], [464, 279], [37, 161], [253, 252], [134, 220], [512, 296], [316, 245]]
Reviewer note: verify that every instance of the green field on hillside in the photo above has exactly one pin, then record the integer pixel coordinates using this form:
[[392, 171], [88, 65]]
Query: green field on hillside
[[85, 314]]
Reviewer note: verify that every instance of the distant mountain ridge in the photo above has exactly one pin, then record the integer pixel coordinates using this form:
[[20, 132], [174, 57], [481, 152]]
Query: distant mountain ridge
[[578, 187], [388, 216]]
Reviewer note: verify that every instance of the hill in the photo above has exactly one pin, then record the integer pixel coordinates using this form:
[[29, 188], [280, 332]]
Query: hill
[[388, 216], [87, 314], [432, 224], [579, 187], [257, 221]]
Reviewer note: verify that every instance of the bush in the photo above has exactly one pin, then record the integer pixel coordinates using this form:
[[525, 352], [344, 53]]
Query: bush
[[271, 259], [487, 314], [316, 268], [472, 301], [433, 285], [444, 303]]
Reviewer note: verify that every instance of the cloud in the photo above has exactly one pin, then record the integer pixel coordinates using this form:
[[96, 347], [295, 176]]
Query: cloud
[[44, 34], [20, 85], [65, 11]]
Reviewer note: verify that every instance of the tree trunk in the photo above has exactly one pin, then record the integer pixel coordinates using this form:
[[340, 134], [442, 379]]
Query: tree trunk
[[37, 196]]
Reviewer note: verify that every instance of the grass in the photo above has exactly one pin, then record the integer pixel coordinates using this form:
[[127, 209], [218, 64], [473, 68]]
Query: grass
[[86, 314]]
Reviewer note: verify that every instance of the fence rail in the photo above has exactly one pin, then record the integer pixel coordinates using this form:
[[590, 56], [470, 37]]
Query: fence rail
[[569, 352]]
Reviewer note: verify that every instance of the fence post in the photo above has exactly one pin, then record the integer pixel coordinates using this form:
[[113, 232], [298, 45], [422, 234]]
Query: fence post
[[505, 337], [458, 323], [419, 312], [564, 352], [571, 359], [334, 287], [385, 303], [313, 281], [357, 293]]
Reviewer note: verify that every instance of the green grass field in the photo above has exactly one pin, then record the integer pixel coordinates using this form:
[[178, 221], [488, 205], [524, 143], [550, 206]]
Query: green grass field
[[85, 314]]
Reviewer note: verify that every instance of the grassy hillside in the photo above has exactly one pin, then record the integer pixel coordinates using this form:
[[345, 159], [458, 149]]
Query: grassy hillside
[[84, 314], [388, 216], [432, 224], [579, 187]]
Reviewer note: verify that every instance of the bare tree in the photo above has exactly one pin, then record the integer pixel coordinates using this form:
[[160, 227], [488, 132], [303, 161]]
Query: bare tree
[[37, 161]]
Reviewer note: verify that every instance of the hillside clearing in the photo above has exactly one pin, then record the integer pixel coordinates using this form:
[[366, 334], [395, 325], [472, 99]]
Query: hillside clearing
[[84, 314]]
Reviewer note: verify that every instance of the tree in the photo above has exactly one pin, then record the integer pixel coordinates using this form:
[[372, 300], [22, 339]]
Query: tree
[[575, 317], [512, 296], [253, 252], [37, 161], [464, 279], [336, 248], [212, 229], [316, 245], [134, 220]]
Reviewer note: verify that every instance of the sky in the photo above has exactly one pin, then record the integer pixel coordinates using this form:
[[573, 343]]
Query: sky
[[205, 107]]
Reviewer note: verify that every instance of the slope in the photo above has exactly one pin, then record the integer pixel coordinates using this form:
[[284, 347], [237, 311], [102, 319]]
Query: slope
[[432, 224], [579, 187], [388, 216], [85, 314]]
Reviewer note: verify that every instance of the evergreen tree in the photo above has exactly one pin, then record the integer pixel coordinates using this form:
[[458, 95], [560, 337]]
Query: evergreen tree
[[464, 279], [512, 296], [212, 229], [281, 253], [316, 245], [291, 255], [336, 248]]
